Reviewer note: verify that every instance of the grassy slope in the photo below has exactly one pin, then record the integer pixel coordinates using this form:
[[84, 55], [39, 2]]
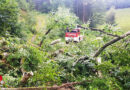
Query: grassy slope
[[39, 27], [123, 19]]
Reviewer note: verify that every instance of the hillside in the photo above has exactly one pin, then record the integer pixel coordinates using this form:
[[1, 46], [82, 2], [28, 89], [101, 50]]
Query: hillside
[[123, 18], [63, 45]]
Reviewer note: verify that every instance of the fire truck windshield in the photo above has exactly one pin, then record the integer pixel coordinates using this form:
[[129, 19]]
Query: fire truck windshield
[[73, 31]]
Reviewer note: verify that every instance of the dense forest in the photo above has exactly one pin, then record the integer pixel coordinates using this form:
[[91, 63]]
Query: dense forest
[[38, 47]]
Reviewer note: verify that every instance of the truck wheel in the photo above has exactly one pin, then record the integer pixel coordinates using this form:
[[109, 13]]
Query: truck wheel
[[79, 39], [75, 41], [67, 42]]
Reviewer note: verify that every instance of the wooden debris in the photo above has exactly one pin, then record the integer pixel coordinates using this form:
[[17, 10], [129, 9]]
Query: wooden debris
[[26, 76], [83, 58], [56, 53], [55, 42]]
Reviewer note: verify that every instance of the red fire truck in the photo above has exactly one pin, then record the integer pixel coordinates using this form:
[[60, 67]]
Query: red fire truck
[[73, 35], [1, 80]]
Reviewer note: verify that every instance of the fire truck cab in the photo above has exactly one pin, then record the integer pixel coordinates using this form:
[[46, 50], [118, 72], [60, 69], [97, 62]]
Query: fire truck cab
[[73, 35]]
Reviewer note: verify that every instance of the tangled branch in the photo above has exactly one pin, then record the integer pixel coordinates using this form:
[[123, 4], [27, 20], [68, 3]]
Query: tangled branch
[[110, 43]]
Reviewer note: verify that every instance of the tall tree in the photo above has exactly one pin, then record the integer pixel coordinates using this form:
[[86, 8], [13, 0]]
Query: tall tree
[[42, 5], [87, 9]]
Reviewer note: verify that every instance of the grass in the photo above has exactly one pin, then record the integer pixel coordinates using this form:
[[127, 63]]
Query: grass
[[123, 19], [40, 19], [40, 25]]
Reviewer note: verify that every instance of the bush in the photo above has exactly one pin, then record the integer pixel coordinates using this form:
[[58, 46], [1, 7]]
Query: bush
[[28, 55], [8, 16], [47, 74], [118, 54], [10, 81]]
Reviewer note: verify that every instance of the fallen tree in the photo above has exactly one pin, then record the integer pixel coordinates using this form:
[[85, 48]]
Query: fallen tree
[[83, 58], [65, 86], [98, 59], [55, 42], [99, 30], [110, 43], [48, 31]]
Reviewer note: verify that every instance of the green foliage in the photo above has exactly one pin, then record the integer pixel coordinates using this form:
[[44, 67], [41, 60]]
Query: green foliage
[[105, 67], [30, 21], [45, 6], [30, 59], [97, 15], [60, 20], [34, 58], [27, 23], [8, 17], [47, 74], [49, 69], [24, 5], [10, 81], [119, 57], [28, 55], [106, 83]]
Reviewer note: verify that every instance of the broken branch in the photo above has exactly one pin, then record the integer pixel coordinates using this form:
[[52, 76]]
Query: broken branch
[[110, 43], [49, 30], [56, 53], [67, 85], [99, 30], [81, 59], [94, 29], [55, 42]]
